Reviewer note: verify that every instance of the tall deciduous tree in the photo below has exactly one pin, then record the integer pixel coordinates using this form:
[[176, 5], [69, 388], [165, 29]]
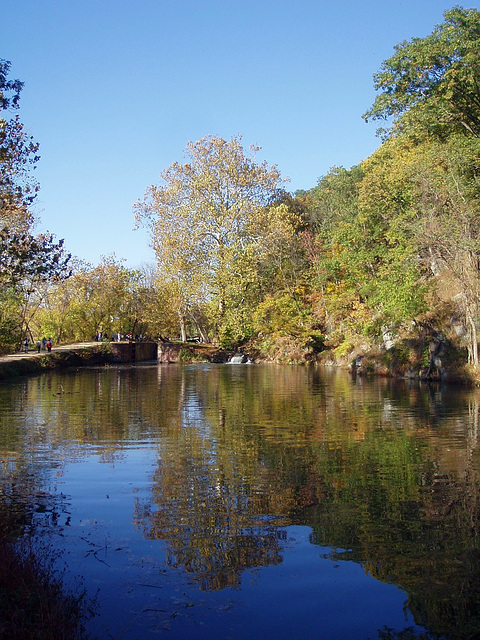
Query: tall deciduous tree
[[204, 214], [432, 84], [27, 261]]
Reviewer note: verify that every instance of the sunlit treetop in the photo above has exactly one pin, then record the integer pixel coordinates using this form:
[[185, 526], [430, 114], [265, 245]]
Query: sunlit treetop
[[432, 85]]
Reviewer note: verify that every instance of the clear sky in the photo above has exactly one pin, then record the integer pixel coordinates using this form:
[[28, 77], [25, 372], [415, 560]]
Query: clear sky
[[114, 90]]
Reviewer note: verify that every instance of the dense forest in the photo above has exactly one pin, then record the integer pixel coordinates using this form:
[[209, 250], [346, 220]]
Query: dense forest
[[377, 264]]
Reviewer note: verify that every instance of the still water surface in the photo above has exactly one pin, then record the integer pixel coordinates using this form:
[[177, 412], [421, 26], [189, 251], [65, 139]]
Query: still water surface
[[249, 501]]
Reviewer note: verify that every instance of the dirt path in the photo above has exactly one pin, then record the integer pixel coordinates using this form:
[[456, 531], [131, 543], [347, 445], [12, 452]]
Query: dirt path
[[34, 354]]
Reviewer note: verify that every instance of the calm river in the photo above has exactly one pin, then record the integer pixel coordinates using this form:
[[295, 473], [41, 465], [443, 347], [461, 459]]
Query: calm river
[[252, 502]]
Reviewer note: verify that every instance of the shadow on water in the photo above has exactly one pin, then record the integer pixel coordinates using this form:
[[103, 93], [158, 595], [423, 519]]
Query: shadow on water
[[241, 461]]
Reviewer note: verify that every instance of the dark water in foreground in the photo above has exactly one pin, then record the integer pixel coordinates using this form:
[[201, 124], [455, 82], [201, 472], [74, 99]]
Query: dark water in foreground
[[252, 502]]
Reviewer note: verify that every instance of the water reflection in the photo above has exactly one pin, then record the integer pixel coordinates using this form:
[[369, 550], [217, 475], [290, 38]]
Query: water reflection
[[386, 472]]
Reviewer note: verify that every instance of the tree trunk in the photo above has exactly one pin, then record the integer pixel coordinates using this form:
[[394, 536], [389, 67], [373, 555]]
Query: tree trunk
[[198, 326], [473, 350], [183, 329]]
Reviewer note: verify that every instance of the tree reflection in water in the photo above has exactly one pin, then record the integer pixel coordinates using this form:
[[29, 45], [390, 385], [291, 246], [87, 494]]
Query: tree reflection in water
[[388, 475], [203, 501], [215, 533]]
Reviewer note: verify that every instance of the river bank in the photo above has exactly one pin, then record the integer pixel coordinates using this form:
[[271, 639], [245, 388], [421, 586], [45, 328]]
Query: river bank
[[76, 355], [81, 354], [94, 353], [422, 360]]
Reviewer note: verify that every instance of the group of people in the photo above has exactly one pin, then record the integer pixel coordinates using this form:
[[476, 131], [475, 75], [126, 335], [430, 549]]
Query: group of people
[[115, 337], [45, 344]]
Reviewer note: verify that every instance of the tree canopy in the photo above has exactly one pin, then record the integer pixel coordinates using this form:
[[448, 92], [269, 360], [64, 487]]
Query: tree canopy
[[204, 217], [433, 82]]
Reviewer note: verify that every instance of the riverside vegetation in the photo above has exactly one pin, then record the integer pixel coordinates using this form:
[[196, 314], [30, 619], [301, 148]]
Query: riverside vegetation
[[377, 264], [378, 261]]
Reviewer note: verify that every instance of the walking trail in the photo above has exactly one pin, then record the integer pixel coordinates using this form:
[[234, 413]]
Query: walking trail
[[34, 354]]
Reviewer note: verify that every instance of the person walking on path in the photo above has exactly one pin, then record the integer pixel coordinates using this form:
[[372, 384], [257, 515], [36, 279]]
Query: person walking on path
[[39, 346], [25, 345]]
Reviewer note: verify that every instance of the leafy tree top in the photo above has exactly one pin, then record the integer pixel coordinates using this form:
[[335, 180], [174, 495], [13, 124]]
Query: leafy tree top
[[209, 206], [9, 89], [28, 258], [18, 155], [432, 84]]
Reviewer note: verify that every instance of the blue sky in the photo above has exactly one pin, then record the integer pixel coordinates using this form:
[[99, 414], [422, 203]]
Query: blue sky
[[114, 90]]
